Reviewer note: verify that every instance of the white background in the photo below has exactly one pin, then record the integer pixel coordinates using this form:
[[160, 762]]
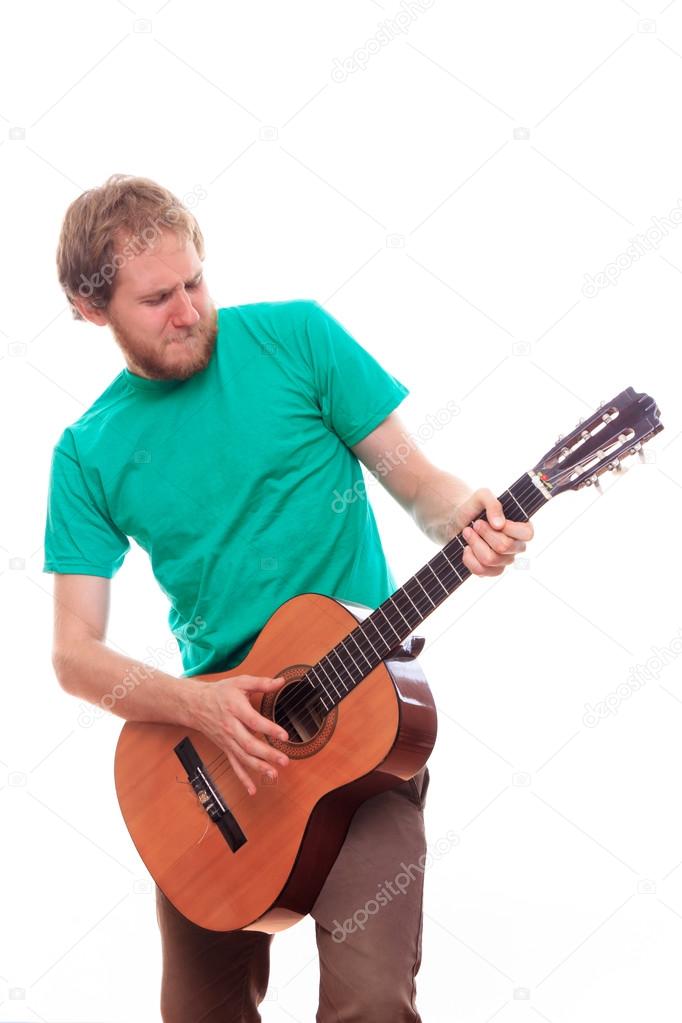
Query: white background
[[444, 201]]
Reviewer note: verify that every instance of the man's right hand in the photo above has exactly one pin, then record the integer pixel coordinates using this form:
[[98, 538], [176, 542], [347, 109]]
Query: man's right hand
[[224, 713]]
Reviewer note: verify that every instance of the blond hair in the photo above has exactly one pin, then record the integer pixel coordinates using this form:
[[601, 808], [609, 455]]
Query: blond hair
[[107, 226]]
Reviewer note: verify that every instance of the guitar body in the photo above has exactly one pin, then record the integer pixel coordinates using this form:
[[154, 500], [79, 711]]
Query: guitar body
[[263, 868]]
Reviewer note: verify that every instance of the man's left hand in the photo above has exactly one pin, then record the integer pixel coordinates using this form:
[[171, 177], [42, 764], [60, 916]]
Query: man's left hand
[[491, 544]]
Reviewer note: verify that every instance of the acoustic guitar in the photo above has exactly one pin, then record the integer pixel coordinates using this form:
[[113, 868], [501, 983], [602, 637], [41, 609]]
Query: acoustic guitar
[[358, 712]]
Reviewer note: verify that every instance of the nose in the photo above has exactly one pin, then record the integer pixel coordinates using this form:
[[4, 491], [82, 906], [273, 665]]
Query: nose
[[183, 313]]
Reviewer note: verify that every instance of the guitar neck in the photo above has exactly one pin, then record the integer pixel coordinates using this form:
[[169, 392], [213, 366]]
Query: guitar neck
[[339, 671]]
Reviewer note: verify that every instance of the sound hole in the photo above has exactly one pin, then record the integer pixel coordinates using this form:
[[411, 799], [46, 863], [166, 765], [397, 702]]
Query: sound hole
[[297, 708]]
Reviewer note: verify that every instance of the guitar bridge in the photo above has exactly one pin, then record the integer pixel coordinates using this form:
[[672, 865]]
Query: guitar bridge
[[208, 794]]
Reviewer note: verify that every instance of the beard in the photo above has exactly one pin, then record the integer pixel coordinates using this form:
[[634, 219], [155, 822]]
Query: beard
[[180, 357]]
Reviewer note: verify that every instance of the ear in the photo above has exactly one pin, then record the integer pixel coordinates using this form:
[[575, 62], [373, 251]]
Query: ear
[[90, 312]]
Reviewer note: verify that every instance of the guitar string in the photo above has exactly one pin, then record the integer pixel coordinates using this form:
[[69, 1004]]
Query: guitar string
[[298, 704], [447, 573], [528, 488]]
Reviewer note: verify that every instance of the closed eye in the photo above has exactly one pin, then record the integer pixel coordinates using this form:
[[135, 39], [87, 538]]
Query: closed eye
[[162, 298]]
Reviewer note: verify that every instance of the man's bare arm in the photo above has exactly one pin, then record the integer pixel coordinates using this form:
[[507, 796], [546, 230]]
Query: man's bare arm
[[89, 669], [441, 504]]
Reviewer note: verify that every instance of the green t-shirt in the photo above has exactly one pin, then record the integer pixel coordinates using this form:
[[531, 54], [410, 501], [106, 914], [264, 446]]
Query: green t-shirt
[[238, 482]]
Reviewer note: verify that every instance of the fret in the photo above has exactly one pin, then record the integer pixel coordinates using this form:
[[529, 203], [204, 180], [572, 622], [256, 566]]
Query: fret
[[395, 605], [523, 510], [416, 579], [357, 643], [412, 602], [437, 579], [331, 664], [427, 586], [406, 612], [321, 663], [343, 642], [381, 611], [386, 608], [407, 615], [313, 672], [352, 676], [370, 621], [449, 580], [452, 566], [343, 666]]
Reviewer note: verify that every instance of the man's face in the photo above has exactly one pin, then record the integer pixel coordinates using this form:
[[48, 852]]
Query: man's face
[[161, 314]]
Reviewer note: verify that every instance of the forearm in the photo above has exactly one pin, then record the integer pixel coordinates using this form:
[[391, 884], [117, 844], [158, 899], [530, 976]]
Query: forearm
[[94, 672], [222, 709], [435, 504]]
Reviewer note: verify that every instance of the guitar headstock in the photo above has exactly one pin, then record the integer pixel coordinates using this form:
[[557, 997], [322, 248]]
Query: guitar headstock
[[615, 431]]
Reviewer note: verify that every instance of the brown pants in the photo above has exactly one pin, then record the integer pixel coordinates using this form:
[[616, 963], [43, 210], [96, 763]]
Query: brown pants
[[368, 926]]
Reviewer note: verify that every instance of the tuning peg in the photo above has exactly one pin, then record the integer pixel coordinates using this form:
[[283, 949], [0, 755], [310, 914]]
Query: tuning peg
[[594, 481]]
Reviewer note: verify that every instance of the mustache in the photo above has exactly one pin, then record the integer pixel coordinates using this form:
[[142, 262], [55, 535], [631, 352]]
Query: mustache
[[200, 331], [195, 335]]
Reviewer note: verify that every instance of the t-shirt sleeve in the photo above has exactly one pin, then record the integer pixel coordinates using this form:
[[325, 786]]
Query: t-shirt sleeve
[[80, 539], [354, 391]]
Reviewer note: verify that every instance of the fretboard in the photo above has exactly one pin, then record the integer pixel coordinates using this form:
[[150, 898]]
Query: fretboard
[[381, 632]]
